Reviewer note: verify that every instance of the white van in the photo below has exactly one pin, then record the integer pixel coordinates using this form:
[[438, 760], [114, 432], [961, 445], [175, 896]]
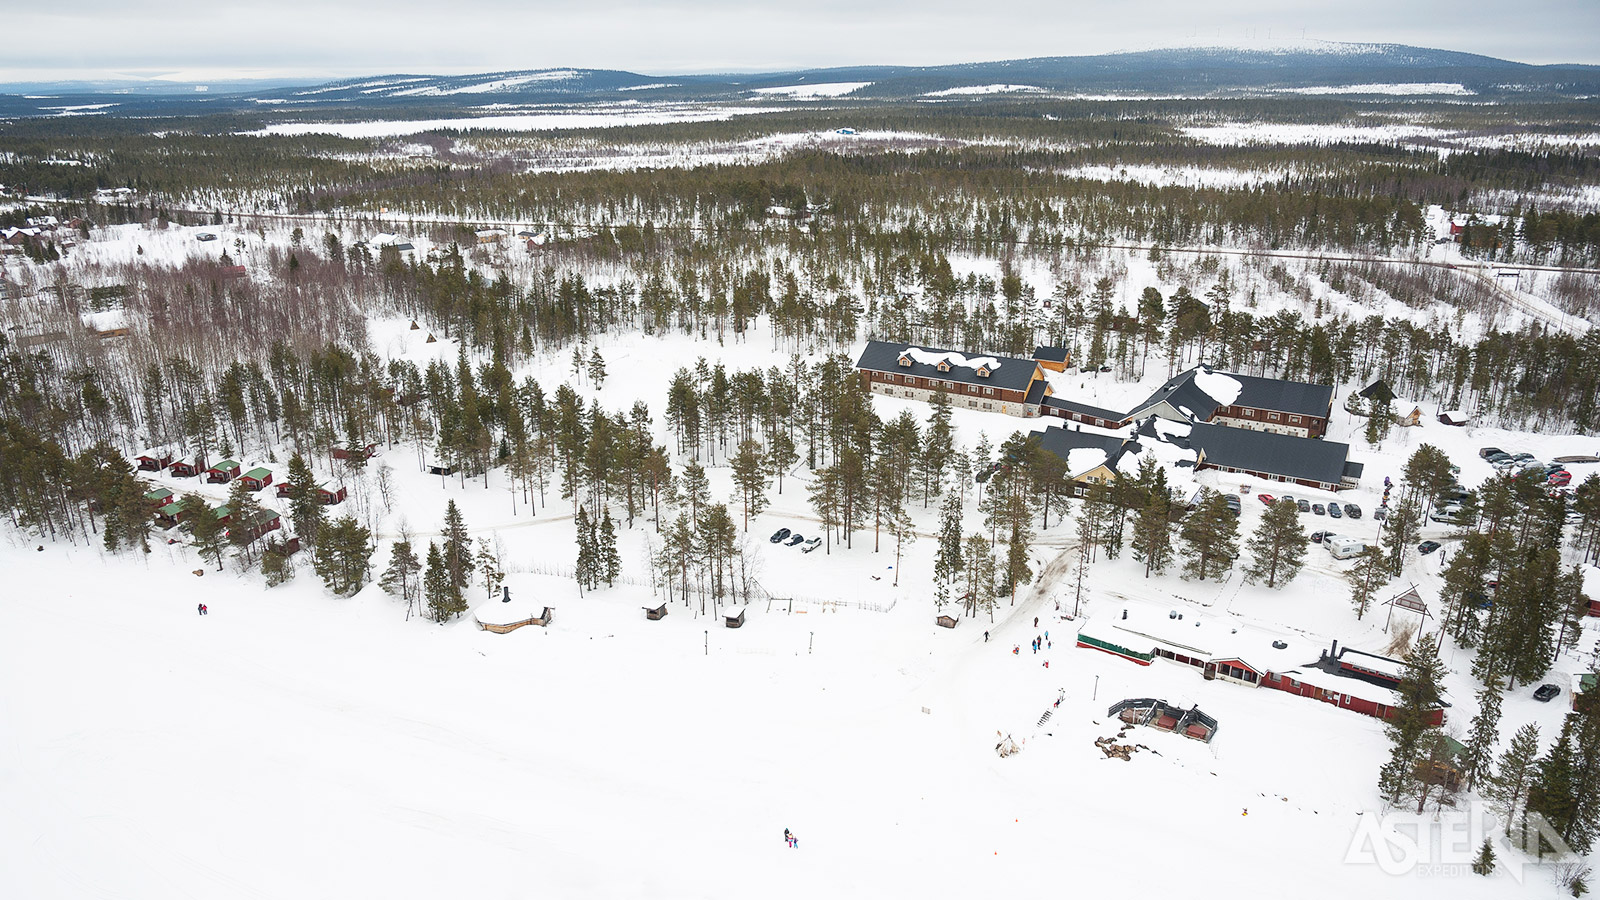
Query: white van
[[1450, 514], [1344, 548]]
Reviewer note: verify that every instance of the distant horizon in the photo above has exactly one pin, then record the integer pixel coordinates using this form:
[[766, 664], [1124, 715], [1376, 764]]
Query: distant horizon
[[101, 41]]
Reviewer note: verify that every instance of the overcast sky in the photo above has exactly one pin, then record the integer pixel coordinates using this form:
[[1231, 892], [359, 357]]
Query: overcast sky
[[185, 40]]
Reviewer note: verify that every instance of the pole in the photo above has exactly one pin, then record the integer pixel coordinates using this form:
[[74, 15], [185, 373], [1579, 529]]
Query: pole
[[1096, 693], [708, 643], [812, 641]]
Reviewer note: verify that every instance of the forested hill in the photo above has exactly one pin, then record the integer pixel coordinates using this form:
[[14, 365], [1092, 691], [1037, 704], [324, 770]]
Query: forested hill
[[1314, 67]]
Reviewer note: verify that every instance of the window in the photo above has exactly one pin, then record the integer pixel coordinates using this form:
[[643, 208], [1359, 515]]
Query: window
[[972, 403], [988, 392], [1272, 416], [1294, 420], [1248, 413], [949, 385]]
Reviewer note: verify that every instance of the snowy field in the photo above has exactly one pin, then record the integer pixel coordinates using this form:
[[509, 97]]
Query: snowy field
[[587, 117], [292, 743]]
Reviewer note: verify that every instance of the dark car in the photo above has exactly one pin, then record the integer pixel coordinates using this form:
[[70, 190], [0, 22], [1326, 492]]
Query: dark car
[[797, 540], [1318, 537], [1333, 510], [1380, 513], [1305, 505], [1352, 510], [1427, 547], [1487, 452], [1319, 509], [1546, 692], [1235, 506], [778, 536]]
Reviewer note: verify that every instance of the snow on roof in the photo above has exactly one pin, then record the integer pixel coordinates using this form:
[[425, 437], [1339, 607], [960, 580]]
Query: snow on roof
[[110, 320], [1354, 687], [1081, 460], [733, 611], [1362, 660], [1222, 388], [933, 358], [1200, 634]]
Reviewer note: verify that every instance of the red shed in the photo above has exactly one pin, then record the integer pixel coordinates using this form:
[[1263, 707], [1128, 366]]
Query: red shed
[[1353, 694], [155, 459], [267, 521], [331, 495], [343, 450]]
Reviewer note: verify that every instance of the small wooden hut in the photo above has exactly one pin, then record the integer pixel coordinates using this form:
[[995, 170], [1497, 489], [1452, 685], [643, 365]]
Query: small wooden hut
[[656, 614], [947, 621], [733, 617]]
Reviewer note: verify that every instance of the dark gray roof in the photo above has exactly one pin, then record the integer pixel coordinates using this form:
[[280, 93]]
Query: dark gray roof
[[1084, 409], [1050, 354], [1035, 392], [1012, 374], [1310, 459], [1379, 389], [1062, 441], [1283, 396], [1181, 393]]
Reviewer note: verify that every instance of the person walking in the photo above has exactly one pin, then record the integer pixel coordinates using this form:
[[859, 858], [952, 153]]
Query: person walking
[[986, 637]]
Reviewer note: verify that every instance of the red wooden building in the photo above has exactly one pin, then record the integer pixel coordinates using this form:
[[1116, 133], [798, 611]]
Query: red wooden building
[[256, 478], [331, 495], [267, 521], [155, 459], [185, 468], [283, 489], [223, 472], [343, 450]]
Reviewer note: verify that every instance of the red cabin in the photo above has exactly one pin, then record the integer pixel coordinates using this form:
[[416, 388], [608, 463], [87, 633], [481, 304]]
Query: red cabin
[[257, 478], [283, 489], [223, 472], [155, 460], [343, 450], [267, 521], [185, 468], [329, 496]]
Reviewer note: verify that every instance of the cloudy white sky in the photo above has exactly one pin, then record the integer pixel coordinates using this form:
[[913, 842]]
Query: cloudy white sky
[[187, 40]]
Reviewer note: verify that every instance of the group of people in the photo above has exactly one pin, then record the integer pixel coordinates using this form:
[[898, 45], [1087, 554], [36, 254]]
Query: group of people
[[790, 839], [202, 609]]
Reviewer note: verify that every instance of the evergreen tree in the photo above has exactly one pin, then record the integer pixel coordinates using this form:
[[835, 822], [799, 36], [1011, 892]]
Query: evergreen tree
[[246, 514], [1400, 532], [947, 559], [342, 555], [1428, 473], [1482, 734], [610, 562], [276, 565], [749, 466], [900, 526], [489, 566], [456, 550], [444, 599], [979, 565], [305, 508], [1418, 694], [1379, 418], [1509, 786], [1278, 548], [1211, 535], [587, 567], [1484, 863], [1152, 530], [696, 491], [781, 456], [597, 369], [401, 575], [1551, 791], [205, 527], [1370, 572]]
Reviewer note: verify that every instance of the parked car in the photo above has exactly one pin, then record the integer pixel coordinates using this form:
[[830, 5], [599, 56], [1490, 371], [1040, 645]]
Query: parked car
[[1544, 693], [1497, 456], [1352, 510], [1560, 479], [1333, 510], [1523, 457], [1319, 509], [1266, 499], [1305, 505], [1235, 506], [1427, 547], [1318, 537], [1380, 513], [779, 535], [1449, 514], [1487, 452], [797, 540], [811, 545]]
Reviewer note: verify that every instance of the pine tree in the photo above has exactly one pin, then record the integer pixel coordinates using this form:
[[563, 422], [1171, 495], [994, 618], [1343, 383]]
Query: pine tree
[[444, 600], [401, 575], [489, 566], [597, 369], [276, 564], [341, 557], [1482, 734], [610, 562], [696, 491], [1400, 532], [1418, 695], [587, 566], [246, 514], [1550, 791], [947, 560], [749, 466], [781, 456], [1513, 773], [1278, 547], [1379, 420], [457, 550], [980, 569], [1484, 863], [1370, 572], [204, 527], [1152, 531], [305, 507], [1211, 536]]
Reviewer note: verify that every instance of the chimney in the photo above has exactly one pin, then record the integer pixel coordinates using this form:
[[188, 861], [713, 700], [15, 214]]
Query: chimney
[[505, 594]]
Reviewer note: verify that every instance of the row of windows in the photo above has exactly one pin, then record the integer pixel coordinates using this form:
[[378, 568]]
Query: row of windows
[[933, 384], [1249, 413]]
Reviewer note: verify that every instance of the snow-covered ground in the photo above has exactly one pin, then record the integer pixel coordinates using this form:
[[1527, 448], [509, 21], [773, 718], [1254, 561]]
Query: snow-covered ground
[[622, 114], [813, 91]]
